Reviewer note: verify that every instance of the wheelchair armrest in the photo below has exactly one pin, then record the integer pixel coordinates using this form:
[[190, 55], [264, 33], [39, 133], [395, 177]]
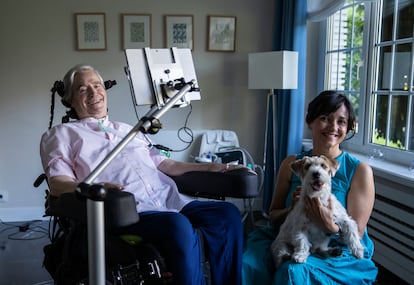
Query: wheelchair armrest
[[120, 208], [238, 183]]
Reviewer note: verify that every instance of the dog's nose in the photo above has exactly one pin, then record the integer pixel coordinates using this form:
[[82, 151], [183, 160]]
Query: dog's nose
[[316, 175]]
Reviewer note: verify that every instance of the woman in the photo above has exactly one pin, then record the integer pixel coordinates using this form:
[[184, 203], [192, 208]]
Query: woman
[[330, 118]]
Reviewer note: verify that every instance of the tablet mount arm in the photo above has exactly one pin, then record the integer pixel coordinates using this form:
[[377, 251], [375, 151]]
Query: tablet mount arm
[[96, 194]]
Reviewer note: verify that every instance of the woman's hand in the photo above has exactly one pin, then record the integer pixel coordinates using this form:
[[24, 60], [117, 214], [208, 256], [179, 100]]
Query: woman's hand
[[295, 196], [320, 214]]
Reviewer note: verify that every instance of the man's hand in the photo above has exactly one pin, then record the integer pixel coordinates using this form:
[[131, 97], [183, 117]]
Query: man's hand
[[108, 185]]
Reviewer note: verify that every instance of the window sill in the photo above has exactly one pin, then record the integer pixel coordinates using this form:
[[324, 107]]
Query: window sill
[[394, 172]]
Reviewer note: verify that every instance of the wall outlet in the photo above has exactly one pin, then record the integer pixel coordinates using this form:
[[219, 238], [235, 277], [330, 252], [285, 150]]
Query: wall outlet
[[4, 196]]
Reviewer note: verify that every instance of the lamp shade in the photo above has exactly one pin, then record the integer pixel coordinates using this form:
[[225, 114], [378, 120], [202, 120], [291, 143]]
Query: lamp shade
[[273, 70]]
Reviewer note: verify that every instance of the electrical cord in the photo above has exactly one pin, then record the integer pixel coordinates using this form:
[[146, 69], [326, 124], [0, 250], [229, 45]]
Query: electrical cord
[[186, 130], [181, 132]]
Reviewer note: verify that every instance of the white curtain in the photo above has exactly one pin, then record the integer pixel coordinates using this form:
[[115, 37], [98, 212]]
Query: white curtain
[[319, 10]]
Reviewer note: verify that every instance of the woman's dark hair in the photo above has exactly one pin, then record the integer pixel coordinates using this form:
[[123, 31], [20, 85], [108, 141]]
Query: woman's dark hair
[[328, 102]]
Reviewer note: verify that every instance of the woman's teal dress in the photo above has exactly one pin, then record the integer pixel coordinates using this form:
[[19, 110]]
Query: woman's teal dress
[[258, 266]]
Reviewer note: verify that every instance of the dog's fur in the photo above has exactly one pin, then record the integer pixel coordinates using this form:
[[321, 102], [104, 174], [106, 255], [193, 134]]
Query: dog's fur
[[298, 236]]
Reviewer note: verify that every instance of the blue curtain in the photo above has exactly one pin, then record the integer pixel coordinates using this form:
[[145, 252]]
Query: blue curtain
[[286, 108]]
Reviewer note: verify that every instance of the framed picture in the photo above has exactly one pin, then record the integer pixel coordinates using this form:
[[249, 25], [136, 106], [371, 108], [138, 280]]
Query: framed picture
[[179, 31], [136, 31], [90, 31], [221, 33]]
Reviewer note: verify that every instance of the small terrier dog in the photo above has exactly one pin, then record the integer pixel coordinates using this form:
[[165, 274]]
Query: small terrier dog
[[298, 236]]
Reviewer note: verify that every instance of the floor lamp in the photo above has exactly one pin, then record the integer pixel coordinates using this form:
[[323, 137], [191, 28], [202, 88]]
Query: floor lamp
[[273, 70]]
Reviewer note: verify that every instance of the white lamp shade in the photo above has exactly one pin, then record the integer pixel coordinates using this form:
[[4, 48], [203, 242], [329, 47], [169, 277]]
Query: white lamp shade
[[273, 70]]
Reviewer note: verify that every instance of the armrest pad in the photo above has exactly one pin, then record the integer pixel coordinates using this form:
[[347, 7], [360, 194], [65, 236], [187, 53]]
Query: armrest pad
[[120, 208], [237, 184]]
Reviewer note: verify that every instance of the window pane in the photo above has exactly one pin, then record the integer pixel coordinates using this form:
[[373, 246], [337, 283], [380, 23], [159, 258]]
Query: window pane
[[343, 59], [336, 70], [405, 19], [358, 31], [343, 24], [384, 72], [334, 27], [401, 71], [398, 122], [387, 20], [380, 120], [411, 130], [357, 69], [402, 64]]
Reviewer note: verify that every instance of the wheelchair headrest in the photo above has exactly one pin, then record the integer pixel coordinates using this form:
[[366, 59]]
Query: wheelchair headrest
[[59, 88]]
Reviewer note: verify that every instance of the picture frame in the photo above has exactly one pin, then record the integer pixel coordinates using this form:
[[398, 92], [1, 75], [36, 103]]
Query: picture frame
[[136, 31], [179, 31], [90, 31], [221, 33]]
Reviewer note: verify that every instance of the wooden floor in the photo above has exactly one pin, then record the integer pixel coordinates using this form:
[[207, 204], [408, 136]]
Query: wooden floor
[[21, 255]]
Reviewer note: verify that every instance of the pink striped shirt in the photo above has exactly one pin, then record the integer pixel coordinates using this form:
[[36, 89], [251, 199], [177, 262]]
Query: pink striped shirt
[[74, 149]]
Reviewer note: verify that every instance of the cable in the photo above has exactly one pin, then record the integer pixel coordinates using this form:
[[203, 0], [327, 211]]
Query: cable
[[187, 131], [52, 110]]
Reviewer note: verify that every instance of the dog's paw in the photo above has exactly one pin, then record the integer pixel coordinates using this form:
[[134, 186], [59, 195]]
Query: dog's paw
[[280, 255], [280, 258], [357, 250], [300, 257]]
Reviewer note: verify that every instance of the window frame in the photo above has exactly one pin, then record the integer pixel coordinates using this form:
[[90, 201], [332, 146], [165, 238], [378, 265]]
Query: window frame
[[360, 143]]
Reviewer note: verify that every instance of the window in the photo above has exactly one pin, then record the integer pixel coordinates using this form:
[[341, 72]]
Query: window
[[369, 57], [344, 53], [392, 94]]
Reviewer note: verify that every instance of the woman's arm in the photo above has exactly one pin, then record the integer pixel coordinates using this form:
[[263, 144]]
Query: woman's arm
[[175, 168], [278, 210], [361, 196]]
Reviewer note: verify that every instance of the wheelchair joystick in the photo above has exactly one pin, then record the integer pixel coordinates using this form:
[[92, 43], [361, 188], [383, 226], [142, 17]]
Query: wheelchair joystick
[[94, 192]]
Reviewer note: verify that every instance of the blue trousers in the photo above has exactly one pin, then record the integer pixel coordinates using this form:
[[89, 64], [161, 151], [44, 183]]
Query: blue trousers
[[175, 236]]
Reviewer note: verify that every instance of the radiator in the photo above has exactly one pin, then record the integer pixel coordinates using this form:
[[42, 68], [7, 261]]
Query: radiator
[[391, 227]]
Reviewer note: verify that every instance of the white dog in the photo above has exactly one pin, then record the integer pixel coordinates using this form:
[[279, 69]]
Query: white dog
[[298, 236]]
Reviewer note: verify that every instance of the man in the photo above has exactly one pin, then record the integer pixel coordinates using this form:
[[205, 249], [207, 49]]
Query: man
[[168, 219]]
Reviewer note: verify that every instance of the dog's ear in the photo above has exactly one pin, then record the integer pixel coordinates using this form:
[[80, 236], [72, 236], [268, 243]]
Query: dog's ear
[[297, 166], [333, 164]]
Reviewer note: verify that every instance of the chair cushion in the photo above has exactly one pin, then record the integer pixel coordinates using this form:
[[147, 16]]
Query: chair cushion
[[236, 184], [120, 208]]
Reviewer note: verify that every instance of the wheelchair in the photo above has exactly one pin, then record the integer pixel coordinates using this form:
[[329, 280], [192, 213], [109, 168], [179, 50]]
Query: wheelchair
[[129, 260]]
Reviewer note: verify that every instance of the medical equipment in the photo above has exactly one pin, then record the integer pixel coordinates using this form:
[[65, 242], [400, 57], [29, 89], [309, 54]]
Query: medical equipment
[[155, 75]]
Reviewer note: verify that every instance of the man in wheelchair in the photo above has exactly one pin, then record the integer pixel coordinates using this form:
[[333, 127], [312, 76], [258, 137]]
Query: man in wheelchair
[[168, 219]]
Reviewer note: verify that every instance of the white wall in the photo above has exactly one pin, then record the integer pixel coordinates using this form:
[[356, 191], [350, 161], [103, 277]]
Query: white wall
[[38, 46]]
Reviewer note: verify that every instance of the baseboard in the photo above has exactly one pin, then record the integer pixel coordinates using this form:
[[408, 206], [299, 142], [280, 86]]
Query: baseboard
[[22, 214]]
